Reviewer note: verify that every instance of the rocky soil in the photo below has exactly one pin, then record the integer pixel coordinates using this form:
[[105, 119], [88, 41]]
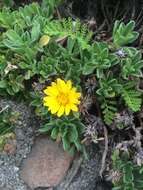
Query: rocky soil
[[37, 163]]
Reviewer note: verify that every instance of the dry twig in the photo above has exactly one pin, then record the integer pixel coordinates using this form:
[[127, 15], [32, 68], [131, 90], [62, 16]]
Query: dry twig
[[105, 151]]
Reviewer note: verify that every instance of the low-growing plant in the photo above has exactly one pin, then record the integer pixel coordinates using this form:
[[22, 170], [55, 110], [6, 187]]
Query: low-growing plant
[[127, 175], [8, 3], [37, 48], [68, 130], [7, 120], [71, 29], [118, 71], [7, 124]]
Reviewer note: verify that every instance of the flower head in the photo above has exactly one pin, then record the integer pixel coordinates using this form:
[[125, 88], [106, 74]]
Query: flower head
[[61, 98], [44, 40]]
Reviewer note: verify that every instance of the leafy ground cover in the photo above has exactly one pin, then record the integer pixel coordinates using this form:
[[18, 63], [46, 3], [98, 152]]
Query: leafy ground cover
[[84, 88]]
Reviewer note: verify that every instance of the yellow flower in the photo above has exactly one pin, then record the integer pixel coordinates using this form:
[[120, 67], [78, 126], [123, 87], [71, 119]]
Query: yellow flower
[[44, 40], [61, 98]]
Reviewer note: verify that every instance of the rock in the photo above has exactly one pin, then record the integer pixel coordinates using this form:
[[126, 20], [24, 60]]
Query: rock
[[19, 133], [84, 173], [46, 165], [10, 148]]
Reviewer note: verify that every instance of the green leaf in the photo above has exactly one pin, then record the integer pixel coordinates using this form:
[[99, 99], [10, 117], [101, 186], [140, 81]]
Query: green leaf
[[78, 145], [72, 150], [55, 132], [8, 3], [10, 91], [3, 84], [70, 44], [124, 34], [132, 64], [27, 75], [109, 110], [14, 40], [45, 128], [88, 69], [117, 188], [67, 28], [35, 33], [98, 59], [66, 143], [15, 87], [73, 133], [128, 173], [132, 97]]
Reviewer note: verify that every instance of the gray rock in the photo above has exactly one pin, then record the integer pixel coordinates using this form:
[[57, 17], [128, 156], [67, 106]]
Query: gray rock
[[84, 174], [46, 165]]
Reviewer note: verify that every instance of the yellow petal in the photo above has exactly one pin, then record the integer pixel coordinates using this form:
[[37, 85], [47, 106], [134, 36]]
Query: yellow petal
[[73, 97], [46, 104], [74, 101], [78, 95], [51, 91], [73, 90], [74, 107], [61, 85], [67, 109], [53, 84], [55, 108], [60, 111], [49, 101], [61, 82], [69, 84]]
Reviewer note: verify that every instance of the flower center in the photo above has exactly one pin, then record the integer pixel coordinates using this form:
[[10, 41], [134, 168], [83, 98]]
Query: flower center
[[63, 99]]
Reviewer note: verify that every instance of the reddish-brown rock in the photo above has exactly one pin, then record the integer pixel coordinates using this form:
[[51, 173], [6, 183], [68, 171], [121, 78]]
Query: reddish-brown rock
[[9, 148], [46, 165]]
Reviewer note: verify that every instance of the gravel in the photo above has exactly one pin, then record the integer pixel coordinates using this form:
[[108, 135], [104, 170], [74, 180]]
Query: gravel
[[10, 163], [87, 176]]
